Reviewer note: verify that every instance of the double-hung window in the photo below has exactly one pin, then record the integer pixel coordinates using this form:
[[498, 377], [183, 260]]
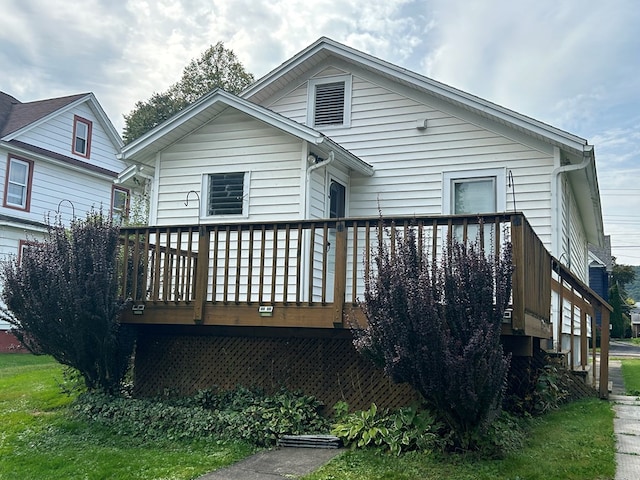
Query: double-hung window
[[473, 192], [329, 101], [81, 137], [17, 187], [119, 204], [227, 194]]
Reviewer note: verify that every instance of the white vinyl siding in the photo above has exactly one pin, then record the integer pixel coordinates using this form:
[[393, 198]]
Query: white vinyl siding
[[56, 135], [233, 142], [409, 162]]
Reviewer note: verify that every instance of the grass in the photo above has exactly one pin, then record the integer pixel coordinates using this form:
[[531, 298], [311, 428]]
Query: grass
[[573, 443], [38, 439], [631, 376]]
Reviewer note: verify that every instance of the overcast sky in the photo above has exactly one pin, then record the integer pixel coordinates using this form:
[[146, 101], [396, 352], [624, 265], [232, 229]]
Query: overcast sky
[[574, 64]]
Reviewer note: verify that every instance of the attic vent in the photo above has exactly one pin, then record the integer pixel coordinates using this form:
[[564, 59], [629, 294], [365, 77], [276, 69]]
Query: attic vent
[[329, 104], [226, 194]]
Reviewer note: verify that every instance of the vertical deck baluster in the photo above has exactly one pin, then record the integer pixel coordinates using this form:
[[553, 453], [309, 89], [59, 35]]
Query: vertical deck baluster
[[238, 264], [135, 269], [274, 263], [157, 260], [354, 263], [225, 270], [312, 244], [250, 265], [325, 237], [262, 260], [125, 266], [180, 268], [189, 263], [287, 239], [299, 266], [214, 275]]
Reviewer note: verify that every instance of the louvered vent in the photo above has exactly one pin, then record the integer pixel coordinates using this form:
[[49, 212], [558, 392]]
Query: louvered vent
[[329, 108], [226, 192]]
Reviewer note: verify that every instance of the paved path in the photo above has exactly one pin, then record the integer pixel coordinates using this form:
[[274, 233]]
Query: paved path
[[626, 426], [276, 464]]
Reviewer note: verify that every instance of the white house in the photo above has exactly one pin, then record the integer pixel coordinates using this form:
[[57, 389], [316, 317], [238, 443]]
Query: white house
[[58, 156], [337, 133]]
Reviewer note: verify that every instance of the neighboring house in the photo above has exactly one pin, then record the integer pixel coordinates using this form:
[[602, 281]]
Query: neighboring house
[[600, 270], [635, 322], [277, 192], [57, 157]]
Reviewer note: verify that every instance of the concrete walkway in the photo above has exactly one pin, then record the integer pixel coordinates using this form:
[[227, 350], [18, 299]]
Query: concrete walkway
[[276, 464], [626, 426]]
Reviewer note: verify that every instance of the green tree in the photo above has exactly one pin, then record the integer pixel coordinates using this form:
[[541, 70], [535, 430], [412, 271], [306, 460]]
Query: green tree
[[621, 275], [216, 67], [62, 300]]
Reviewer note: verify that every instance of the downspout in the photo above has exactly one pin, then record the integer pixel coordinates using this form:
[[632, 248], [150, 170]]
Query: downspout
[[310, 170], [556, 199]]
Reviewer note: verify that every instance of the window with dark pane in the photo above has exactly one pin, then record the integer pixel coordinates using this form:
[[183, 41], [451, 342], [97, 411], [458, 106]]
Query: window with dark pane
[[329, 104], [226, 193]]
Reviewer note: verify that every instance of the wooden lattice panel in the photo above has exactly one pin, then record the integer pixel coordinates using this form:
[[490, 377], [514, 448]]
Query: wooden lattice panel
[[328, 368]]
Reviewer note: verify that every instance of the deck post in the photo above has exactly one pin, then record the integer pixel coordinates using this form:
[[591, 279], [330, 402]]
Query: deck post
[[340, 281], [519, 278], [604, 353], [202, 273]]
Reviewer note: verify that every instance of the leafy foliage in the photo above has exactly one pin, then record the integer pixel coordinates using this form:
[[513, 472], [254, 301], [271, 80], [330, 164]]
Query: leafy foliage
[[437, 327], [398, 431], [61, 298], [216, 67], [242, 414]]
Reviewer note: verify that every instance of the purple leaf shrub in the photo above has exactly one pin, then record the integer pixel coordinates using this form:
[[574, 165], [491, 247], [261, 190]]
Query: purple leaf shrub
[[61, 298], [436, 325]]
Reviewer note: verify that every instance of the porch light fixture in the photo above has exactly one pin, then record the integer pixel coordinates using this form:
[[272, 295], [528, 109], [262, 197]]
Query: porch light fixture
[[138, 309], [265, 310]]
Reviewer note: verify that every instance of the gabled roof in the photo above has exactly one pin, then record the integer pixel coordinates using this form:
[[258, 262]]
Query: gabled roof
[[324, 47], [17, 117], [143, 149], [578, 151]]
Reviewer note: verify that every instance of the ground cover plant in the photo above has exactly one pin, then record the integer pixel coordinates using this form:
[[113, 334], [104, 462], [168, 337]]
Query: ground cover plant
[[631, 375], [574, 442], [40, 439]]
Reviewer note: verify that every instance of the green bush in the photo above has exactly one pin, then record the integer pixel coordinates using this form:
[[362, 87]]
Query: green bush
[[241, 414], [397, 431]]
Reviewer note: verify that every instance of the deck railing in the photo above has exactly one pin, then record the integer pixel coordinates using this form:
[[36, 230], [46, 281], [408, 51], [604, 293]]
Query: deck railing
[[311, 273]]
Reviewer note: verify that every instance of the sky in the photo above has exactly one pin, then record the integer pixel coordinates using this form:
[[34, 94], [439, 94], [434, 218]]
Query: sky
[[574, 64]]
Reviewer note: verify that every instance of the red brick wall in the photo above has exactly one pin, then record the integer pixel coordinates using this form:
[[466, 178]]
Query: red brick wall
[[9, 343]]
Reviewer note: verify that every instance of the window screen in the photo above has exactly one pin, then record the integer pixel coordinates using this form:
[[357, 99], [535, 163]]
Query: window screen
[[474, 196]]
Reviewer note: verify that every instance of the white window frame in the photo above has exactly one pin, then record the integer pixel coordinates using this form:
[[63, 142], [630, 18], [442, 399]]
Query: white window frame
[[116, 214], [27, 185], [497, 174], [204, 194], [88, 125], [311, 100]]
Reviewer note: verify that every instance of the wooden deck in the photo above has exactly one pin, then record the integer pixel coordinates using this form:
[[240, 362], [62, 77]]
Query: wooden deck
[[309, 274]]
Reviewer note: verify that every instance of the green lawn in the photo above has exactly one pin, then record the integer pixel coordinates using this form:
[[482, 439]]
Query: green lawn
[[39, 441], [573, 443], [631, 376]]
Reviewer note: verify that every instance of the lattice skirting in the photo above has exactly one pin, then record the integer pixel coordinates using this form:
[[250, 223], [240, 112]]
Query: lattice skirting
[[327, 367]]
